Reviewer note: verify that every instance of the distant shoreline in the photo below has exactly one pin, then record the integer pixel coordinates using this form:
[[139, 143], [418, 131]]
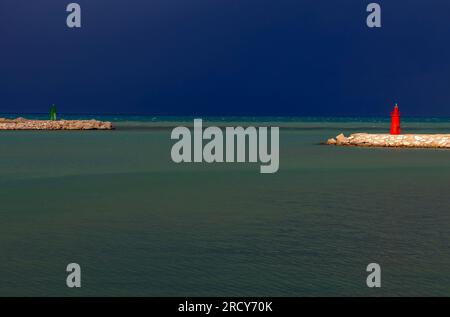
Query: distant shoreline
[[225, 118], [335, 124]]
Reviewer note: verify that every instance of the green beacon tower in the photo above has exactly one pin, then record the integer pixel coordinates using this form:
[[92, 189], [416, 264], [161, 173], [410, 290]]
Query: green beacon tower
[[53, 113]]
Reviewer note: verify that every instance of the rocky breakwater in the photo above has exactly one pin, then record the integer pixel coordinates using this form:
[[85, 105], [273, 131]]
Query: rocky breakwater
[[388, 140], [26, 124]]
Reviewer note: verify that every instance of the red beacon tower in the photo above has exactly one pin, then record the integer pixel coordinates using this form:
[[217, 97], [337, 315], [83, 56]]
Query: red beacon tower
[[395, 120]]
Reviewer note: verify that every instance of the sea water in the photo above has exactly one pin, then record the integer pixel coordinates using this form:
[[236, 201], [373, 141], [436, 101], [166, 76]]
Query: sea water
[[141, 225]]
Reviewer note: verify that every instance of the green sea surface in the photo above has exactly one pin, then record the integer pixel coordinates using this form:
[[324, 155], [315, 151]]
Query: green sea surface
[[141, 225]]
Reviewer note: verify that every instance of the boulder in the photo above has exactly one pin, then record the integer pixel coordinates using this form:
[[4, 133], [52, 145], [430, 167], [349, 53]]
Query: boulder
[[341, 139]]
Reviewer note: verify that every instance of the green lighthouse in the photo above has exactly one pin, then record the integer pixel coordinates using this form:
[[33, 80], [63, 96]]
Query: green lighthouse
[[53, 113]]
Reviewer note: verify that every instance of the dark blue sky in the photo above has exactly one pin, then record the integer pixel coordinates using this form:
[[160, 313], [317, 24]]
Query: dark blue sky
[[225, 57]]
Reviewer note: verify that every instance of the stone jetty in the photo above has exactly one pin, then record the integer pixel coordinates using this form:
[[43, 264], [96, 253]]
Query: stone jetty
[[388, 140], [26, 124]]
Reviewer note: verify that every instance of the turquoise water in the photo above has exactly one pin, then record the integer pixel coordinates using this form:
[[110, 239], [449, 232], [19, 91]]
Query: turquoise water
[[141, 225]]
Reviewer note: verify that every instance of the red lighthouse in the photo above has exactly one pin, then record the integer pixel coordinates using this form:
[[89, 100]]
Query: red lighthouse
[[395, 120]]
